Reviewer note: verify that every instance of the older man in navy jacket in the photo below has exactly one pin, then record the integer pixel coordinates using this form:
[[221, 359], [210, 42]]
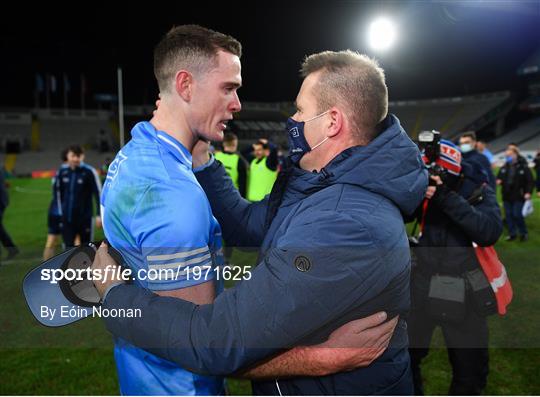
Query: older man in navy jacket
[[333, 246]]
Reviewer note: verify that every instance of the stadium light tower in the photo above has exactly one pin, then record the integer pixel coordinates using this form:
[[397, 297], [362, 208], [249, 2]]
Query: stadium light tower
[[381, 34]]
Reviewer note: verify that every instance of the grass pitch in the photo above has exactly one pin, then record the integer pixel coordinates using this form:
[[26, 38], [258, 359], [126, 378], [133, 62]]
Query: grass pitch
[[77, 359]]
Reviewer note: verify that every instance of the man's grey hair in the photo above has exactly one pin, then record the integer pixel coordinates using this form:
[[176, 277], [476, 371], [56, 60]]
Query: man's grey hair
[[354, 81]]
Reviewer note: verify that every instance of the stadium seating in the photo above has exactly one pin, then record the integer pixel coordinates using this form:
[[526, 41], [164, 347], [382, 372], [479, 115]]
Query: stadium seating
[[28, 162], [54, 129], [15, 126], [450, 116], [527, 134]]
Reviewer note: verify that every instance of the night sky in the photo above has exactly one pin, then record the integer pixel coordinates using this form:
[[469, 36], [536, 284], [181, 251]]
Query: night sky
[[443, 48]]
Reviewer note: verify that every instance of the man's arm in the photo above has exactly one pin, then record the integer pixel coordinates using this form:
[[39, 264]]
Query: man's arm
[[278, 308], [353, 345], [172, 251], [272, 160], [242, 222], [482, 223]]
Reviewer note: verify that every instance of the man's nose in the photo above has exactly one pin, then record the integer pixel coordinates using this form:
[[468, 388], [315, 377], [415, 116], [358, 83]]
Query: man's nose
[[235, 106]]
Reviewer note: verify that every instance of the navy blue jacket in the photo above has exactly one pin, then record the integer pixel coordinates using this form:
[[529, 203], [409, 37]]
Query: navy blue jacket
[[76, 188], [343, 227], [474, 156]]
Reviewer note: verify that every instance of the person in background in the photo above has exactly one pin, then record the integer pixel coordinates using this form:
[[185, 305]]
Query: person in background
[[5, 238], [233, 162], [459, 208], [76, 185], [467, 144], [516, 180], [263, 170], [515, 147]]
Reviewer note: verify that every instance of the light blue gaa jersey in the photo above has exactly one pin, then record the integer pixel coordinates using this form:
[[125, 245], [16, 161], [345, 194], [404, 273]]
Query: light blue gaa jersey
[[157, 215]]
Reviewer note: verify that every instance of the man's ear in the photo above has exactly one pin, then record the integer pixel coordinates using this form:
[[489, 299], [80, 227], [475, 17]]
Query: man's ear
[[336, 121], [183, 84]]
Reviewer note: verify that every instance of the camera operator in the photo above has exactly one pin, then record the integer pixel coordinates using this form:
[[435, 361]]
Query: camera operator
[[448, 287]]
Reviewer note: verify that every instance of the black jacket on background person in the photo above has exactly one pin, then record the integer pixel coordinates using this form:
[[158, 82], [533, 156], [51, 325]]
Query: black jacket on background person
[[477, 157], [516, 180], [452, 222]]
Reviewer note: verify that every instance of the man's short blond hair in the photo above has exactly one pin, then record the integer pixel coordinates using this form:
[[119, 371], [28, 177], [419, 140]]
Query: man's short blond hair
[[353, 81]]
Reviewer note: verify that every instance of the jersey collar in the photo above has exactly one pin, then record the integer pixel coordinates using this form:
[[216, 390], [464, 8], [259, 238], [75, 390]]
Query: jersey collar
[[174, 146]]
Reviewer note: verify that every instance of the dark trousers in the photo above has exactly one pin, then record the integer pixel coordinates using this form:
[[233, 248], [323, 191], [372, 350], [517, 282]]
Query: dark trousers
[[4, 236], [514, 218], [82, 228], [466, 344]]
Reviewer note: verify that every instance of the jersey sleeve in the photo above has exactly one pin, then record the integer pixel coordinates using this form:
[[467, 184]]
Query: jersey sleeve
[[172, 228]]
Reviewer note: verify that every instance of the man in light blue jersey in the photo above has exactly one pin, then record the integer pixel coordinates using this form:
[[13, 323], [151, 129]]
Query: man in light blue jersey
[[154, 210]]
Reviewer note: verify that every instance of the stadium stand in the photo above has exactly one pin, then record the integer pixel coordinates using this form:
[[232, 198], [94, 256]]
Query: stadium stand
[[28, 162], [450, 116], [32, 139], [524, 136], [15, 131], [43, 132], [533, 144], [56, 128]]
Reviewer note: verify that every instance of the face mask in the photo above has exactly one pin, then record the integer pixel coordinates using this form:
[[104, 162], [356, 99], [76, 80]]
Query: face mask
[[509, 159], [466, 147], [298, 145]]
